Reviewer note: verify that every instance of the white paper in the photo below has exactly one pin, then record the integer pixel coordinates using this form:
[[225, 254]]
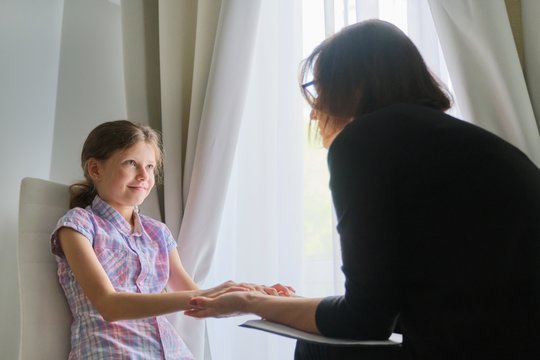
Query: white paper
[[287, 331]]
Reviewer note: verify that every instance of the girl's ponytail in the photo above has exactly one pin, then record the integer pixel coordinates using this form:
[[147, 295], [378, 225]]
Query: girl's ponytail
[[81, 194]]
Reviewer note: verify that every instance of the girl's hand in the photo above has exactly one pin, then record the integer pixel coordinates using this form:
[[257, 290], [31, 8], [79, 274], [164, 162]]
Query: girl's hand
[[226, 287], [283, 290], [275, 290], [230, 286]]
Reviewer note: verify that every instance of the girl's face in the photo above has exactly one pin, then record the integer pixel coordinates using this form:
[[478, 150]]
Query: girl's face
[[126, 178]]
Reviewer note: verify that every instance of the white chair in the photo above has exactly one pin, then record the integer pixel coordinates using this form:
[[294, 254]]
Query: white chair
[[45, 315]]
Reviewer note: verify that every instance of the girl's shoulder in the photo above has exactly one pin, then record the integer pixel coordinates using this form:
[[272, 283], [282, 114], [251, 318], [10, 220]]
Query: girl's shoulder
[[77, 215], [147, 221], [78, 219], [157, 229]]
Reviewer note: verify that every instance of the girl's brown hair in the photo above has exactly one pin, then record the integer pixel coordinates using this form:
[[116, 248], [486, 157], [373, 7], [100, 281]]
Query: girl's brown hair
[[101, 143], [367, 66]]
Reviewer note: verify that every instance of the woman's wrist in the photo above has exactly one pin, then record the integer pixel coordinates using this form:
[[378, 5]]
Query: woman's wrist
[[253, 302]]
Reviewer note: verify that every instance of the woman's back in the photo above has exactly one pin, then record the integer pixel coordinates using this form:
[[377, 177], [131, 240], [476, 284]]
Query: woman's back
[[463, 207]]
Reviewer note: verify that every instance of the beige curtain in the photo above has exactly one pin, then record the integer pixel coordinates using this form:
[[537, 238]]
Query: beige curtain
[[483, 62], [530, 13], [197, 179]]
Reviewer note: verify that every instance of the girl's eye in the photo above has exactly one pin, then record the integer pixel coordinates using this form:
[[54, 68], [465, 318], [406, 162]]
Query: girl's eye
[[131, 162], [150, 167]]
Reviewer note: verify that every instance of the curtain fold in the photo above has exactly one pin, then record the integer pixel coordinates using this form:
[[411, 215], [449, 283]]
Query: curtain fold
[[260, 238], [206, 52], [215, 146], [530, 12], [483, 62], [177, 26]]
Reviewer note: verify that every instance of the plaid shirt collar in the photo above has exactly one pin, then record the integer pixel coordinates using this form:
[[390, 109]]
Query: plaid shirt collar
[[110, 214]]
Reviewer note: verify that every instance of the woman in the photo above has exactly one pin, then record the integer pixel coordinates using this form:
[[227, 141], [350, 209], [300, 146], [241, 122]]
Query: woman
[[439, 220]]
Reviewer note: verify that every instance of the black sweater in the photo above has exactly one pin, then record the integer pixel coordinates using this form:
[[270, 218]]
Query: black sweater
[[439, 223]]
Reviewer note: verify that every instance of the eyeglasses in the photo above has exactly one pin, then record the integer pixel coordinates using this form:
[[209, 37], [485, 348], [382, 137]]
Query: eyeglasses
[[309, 87]]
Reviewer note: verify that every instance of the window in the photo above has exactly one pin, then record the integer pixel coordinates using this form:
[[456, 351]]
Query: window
[[322, 258]]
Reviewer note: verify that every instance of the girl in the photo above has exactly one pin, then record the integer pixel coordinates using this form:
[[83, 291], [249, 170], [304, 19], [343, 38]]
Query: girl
[[119, 269]]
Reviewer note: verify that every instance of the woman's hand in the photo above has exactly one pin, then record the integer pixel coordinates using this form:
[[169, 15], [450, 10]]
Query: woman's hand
[[294, 311], [233, 301], [225, 305]]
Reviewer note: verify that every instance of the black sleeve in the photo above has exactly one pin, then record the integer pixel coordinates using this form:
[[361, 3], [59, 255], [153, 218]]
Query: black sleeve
[[361, 163]]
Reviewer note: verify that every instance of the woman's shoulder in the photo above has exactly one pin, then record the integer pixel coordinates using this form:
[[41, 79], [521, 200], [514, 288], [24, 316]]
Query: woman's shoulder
[[403, 122], [390, 115]]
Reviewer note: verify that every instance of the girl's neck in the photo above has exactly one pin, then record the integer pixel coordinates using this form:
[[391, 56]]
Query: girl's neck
[[128, 213]]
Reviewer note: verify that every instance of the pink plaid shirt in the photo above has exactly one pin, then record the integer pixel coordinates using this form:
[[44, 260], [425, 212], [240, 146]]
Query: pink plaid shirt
[[135, 262]]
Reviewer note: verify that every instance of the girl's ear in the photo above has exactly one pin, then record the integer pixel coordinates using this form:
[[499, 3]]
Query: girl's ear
[[93, 167]]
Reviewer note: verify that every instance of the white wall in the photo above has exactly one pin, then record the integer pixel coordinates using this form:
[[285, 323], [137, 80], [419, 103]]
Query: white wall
[[30, 44], [50, 91], [90, 80], [92, 87]]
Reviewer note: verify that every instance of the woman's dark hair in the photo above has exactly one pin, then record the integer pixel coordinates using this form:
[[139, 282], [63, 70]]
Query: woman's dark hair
[[367, 66], [101, 143]]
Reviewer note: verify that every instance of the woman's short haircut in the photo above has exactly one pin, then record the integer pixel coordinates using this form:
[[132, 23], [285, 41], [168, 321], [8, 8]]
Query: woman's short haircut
[[367, 66]]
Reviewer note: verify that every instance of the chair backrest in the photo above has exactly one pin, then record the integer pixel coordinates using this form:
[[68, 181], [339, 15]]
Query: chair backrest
[[45, 315]]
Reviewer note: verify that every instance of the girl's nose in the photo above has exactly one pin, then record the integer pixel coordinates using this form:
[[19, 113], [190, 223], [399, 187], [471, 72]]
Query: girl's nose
[[142, 174]]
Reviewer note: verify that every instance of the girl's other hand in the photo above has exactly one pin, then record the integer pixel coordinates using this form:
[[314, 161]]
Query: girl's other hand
[[283, 290], [275, 290], [226, 287], [231, 286]]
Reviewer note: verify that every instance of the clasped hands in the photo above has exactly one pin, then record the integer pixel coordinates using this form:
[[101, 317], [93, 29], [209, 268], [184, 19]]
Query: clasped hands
[[231, 298]]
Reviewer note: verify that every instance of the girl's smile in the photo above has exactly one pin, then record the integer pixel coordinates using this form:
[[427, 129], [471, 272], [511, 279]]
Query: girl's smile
[[126, 178]]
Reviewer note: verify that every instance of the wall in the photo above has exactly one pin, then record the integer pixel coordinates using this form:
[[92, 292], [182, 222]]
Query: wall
[[30, 44], [61, 73], [90, 80]]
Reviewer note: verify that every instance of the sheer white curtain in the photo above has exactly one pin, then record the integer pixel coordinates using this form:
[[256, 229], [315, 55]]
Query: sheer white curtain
[[260, 239], [485, 68]]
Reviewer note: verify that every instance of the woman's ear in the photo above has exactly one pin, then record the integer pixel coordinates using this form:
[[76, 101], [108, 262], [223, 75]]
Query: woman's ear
[[93, 167]]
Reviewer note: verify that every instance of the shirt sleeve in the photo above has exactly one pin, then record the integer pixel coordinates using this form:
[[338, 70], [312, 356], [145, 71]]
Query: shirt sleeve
[[362, 184], [170, 243], [77, 219]]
